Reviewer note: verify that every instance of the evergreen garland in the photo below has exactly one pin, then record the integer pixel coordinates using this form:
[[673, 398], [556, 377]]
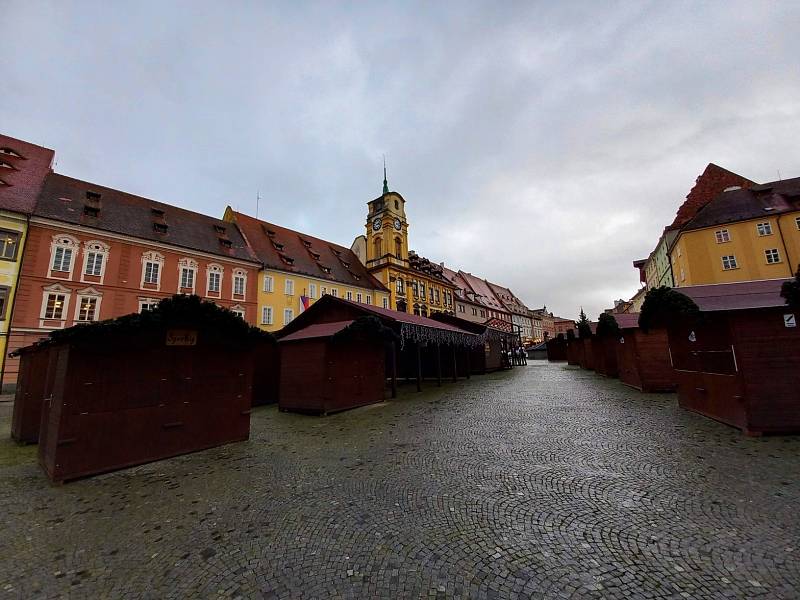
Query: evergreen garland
[[662, 304]]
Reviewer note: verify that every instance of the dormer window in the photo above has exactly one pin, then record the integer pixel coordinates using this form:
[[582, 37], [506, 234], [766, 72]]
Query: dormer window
[[346, 264], [225, 243], [3, 182], [288, 260], [268, 231], [160, 227], [157, 212], [91, 211], [93, 196], [316, 255], [219, 228], [9, 152], [306, 243], [5, 165], [277, 245], [325, 269], [336, 252]]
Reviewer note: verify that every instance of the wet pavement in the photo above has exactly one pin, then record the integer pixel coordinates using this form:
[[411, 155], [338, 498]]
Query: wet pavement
[[545, 482]]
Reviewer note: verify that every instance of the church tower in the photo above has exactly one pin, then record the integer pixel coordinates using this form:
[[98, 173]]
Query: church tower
[[387, 229]]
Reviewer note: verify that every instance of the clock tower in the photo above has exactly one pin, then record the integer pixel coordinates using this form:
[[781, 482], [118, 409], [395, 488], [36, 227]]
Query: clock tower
[[387, 229]]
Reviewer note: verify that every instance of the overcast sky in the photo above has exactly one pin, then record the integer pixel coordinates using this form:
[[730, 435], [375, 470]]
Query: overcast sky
[[543, 146]]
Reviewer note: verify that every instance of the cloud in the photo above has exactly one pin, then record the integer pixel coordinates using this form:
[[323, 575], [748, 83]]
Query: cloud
[[541, 145]]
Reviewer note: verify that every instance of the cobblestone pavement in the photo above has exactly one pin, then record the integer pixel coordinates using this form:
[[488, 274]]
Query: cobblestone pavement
[[544, 482]]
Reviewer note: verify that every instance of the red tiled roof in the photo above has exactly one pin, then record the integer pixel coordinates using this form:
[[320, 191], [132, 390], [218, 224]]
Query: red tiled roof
[[294, 252], [500, 325], [739, 205], [317, 330], [23, 167], [483, 292], [507, 297], [402, 317], [713, 180], [67, 199], [765, 293]]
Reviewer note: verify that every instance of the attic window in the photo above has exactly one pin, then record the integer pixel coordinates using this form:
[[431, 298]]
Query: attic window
[[157, 212], [325, 269], [336, 252], [278, 245], [219, 228], [160, 227], [269, 232], [306, 243], [316, 255], [5, 165], [287, 259], [94, 196], [3, 182], [225, 243], [9, 152], [91, 211]]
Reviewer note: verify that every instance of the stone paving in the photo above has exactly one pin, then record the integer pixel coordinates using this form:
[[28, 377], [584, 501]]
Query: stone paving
[[543, 482]]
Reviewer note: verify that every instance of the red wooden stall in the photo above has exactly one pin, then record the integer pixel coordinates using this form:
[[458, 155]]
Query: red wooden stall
[[740, 362], [145, 387], [34, 372], [557, 349], [587, 357], [604, 355], [574, 351], [643, 359]]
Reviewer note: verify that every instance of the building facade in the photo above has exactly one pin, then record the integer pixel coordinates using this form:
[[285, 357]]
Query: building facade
[[297, 269], [416, 285], [742, 235], [23, 168], [96, 253], [520, 314]]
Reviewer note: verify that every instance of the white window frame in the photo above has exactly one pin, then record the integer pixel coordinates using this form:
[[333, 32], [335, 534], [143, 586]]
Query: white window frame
[[267, 315], [334, 292], [97, 248], [369, 299], [797, 222], [764, 229], [269, 284], [312, 290], [155, 258], [769, 253], [323, 291], [288, 287], [241, 275], [729, 262], [190, 265], [147, 302], [359, 297], [723, 236], [218, 270], [55, 290], [64, 242], [349, 295], [90, 293], [239, 310], [385, 302], [288, 312]]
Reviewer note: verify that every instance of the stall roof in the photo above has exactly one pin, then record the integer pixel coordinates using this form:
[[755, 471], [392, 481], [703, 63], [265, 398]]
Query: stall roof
[[627, 320], [765, 293], [317, 330]]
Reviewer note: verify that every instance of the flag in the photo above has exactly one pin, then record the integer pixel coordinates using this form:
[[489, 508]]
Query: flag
[[305, 302]]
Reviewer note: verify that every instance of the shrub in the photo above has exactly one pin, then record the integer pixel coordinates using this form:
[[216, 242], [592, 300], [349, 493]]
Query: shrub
[[607, 326], [663, 304]]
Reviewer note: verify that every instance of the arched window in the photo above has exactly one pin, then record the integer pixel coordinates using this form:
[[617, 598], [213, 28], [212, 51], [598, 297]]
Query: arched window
[[95, 255], [398, 248], [377, 247], [187, 274], [214, 273], [152, 266], [400, 287], [63, 249]]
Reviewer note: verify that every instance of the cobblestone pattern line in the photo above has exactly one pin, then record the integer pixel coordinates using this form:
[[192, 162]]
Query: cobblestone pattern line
[[543, 482]]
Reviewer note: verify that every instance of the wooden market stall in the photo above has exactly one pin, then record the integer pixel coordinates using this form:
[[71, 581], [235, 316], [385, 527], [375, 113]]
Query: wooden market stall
[[420, 348], [739, 361], [574, 351], [537, 351], [492, 355], [35, 371], [604, 355], [557, 349], [145, 387], [643, 358]]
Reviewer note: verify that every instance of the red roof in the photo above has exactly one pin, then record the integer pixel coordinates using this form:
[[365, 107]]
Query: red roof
[[402, 317], [711, 182], [23, 167], [627, 320], [317, 330], [742, 295], [294, 252], [70, 200], [483, 293], [509, 299]]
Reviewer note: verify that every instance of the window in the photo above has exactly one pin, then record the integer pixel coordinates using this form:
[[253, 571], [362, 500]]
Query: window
[[62, 259], [266, 315], [399, 286], [238, 311], [187, 277], [729, 262], [483, 313], [461, 308], [369, 299], [415, 287], [147, 304], [288, 315], [722, 236], [4, 291], [87, 308], [151, 272], [323, 290], [9, 242], [214, 282], [431, 291], [187, 271], [474, 311], [422, 290], [398, 248], [54, 306], [269, 283], [312, 290], [385, 303], [349, 295], [797, 222], [437, 296], [377, 246], [239, 282], [288, 287], [152, 266], [359, 297], [772, 256], [334, 292], [764, 228]]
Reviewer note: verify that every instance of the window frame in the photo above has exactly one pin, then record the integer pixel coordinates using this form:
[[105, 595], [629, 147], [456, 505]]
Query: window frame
[[80, 297], [723, 236], [267, 315], [770, 252], [154, 258], [188, 265], [149, 302], [239, 275], [214, 271], [288, 287], [349, 295], [290, 313], [732, 263], [268, 286], [312, 290], [55, 290], [16, 244], [5, 294], [764, 229]]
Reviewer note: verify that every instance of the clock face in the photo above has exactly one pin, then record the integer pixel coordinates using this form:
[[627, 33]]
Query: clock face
[[397, 224], [376, 225]]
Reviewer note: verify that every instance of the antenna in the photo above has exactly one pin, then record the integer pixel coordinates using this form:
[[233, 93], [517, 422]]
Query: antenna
[[258, 199], [779, 174]]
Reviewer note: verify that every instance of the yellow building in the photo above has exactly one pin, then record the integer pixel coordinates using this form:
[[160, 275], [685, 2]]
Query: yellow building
[[416, 284], [741, 235], [298, 269], [23, 167]]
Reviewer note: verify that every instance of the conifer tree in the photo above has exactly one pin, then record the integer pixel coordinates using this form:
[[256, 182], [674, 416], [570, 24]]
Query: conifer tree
[[584, 327]]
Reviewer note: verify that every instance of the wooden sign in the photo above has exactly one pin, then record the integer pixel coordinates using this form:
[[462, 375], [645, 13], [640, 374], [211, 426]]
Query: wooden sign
[[181, 337]]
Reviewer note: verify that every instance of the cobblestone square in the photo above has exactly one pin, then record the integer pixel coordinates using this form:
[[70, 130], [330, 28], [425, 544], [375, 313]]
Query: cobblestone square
[[544, 482]]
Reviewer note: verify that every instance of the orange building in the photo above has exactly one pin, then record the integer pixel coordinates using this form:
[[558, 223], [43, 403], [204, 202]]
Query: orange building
[[95, 253]]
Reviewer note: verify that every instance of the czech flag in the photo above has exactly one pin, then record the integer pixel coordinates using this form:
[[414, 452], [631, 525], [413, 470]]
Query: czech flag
[[305, 302]]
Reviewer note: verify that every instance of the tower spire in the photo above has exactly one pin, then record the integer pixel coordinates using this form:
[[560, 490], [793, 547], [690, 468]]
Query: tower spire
[[385, 183]]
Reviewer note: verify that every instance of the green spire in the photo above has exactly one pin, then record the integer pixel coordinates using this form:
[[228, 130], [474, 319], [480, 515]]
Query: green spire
[[385, 183]]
